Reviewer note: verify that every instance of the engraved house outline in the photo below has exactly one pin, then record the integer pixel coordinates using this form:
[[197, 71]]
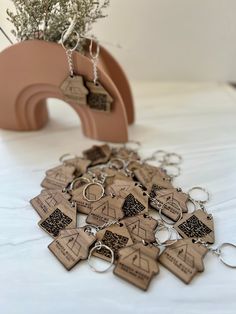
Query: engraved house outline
[[73, 244], [182, 251]]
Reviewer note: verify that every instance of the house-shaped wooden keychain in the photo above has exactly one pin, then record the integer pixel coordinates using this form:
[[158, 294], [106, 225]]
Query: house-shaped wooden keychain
[[98, 98], [74, 90], [137, 264]]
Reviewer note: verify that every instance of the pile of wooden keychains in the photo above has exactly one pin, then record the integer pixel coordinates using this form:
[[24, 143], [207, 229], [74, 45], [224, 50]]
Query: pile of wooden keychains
[[119, 193]]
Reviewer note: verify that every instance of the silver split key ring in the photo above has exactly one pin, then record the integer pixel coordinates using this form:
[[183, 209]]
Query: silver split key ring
[[90, 196], [221, 250], [98, 246], [218, 251]]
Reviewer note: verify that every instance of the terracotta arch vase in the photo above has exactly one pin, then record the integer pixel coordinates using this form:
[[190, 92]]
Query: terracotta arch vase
[[32, 71]]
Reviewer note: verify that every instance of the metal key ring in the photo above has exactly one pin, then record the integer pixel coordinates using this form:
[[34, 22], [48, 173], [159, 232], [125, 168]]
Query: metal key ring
[[171, 175], [137, 143], [96, 54], [168, 156], [67, 156], [158, 152], [113, 165], [98, 246], [199, 188], [221, 256], [193, 203], [89, 185], [160, 228], [76, 45], [71, 187]]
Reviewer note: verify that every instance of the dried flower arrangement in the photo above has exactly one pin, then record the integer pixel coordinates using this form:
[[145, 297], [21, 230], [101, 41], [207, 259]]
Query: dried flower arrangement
[[47, 19]]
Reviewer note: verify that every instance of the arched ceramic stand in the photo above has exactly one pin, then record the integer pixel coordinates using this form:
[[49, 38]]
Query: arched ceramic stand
[[32, 71]]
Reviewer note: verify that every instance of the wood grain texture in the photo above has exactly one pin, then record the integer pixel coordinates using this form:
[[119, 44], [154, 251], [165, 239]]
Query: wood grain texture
[[196, 120]]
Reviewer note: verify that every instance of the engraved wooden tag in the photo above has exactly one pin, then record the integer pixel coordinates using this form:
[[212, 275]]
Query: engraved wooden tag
[[196, 225], [184, 259], [47, 200], [106, 209], [141, 227], [58, 177], [160, 182], [113, 175], [98, 154], [83, 206], [67, 169], [171, 202], [98, 98], [120, 188], [71, 246], [135, 202], [149, 175], [116, 237], [74, 90], [126, 154], [80, 164], [137, 264], [62, 217]]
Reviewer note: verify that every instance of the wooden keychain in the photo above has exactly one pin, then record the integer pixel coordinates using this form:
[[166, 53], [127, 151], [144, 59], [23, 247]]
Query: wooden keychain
[[59, 177], [198, 224], [98, 154], [156, 177], [63, 216], [125, 152], [92, 231], [92, 191], [141, 227], [106, 209], [73, 86], [98, 98], [185, 257], [120, 187], [80, 163], [135, 202], [47, 200], [115, 235], [72, 245], [116, 190], [138, 262], [170, 202]]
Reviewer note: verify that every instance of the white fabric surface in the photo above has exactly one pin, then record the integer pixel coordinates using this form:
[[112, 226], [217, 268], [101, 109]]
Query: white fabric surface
[[195, 120]]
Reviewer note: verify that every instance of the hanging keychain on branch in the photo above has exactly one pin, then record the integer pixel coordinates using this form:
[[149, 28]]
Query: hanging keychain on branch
[[73, 87], [98, 98]]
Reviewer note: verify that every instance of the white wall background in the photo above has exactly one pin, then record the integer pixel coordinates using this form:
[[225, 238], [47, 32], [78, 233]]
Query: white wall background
[[169, 39]]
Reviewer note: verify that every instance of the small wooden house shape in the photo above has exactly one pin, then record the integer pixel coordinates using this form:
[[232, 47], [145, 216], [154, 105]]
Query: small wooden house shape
[[141, 227], [58, 177], [107, 208], [137, 264], [184, 259], [98, 98], [73, 88]]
